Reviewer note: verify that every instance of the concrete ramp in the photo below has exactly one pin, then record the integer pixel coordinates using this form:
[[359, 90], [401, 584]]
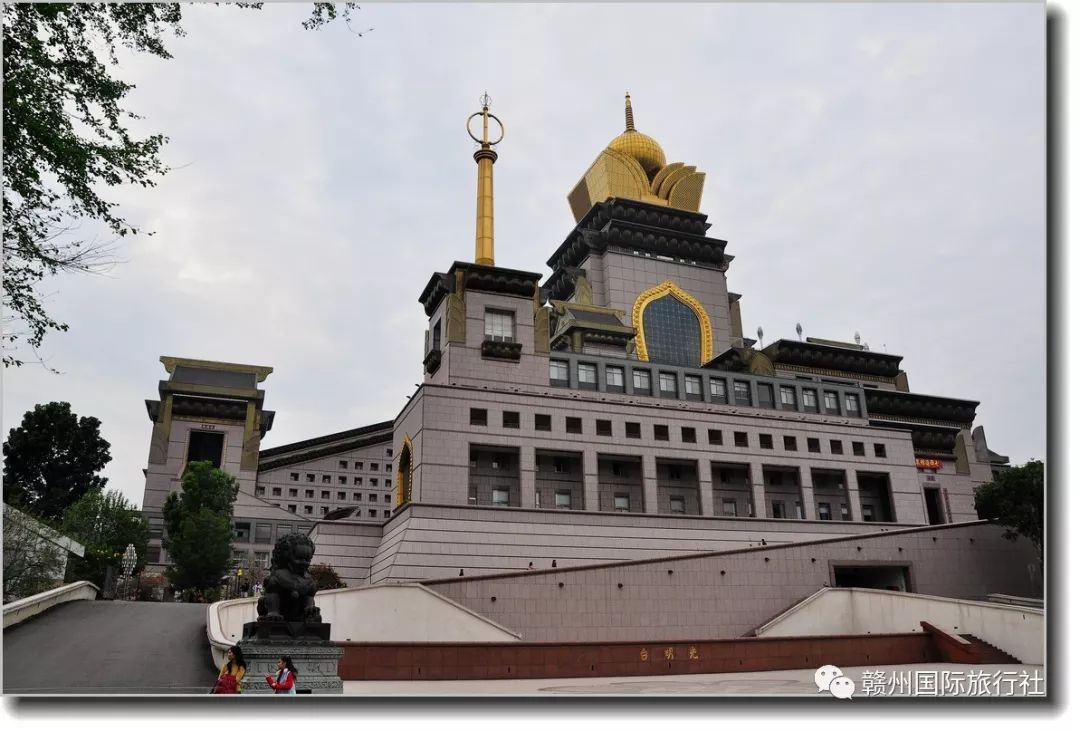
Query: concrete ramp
[[383, 613], [102, 647], [1018, 631]]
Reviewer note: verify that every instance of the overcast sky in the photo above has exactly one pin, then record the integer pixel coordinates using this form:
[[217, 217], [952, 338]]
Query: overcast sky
[[874, 168]]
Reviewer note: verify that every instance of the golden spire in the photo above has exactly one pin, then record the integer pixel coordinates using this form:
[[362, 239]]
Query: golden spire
[[485, 189], [629, 114]]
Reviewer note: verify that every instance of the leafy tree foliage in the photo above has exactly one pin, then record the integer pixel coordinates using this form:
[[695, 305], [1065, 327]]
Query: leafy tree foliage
[[32, 562], [52, 459], [198, 527], [66, 139], [105, 523], [1014, 499], [325, 577]]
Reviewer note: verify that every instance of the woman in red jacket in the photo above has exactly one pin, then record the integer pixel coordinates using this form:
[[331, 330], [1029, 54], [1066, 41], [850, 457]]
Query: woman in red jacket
[[285, 682]]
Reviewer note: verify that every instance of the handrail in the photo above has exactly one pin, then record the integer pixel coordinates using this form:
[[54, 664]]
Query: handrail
[[22, 609]]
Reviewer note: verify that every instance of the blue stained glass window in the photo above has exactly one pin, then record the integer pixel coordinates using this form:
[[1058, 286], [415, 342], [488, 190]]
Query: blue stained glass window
[[672, 332]]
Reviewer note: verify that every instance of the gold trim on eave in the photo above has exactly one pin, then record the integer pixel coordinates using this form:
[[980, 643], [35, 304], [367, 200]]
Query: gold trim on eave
[[662, 290]]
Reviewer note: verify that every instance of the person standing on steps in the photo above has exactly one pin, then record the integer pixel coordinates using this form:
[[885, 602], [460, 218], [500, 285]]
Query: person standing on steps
[[232, 672]]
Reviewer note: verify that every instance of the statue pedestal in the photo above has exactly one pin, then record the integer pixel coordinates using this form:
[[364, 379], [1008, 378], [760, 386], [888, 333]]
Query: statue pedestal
[[308, 644]]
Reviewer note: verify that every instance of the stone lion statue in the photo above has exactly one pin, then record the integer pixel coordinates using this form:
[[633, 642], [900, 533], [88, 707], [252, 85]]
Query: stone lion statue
[[289, 590]]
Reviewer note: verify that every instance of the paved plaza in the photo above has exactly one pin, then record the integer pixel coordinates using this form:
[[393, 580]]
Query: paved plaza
[[772, 683]]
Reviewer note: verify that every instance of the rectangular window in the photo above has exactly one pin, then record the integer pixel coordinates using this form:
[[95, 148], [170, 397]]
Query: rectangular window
[[824, 511], [499, 326], [615, 379], [436, 335], [633, 430], [741, 392], [693, 388], [205, 446], [844, 514], [603, 428], [262, 532], [765, 441], [386, 498], [660, 432], [836, 446], [809, 401], [372, 497], [373, 466], [370, 513], [386, 483], [500, 496], [678, 504], [356, 496], [326, 479], [260, 491], [325, 495], [689, 434], [851, 404], [373, 482], [341, 496], [389, 467], [586, 376], [309, 477], [562, 500], [478, 417], [741, 439], [779, 509], [858, 449], [294, 476], [716, 436], [729, 508], [307, 510], [868, 513], [573, 425], [789, 444], [787, 398], [511, 420], [276, 492], [879, 450], [242, 532], [832, 403], [342, 480], [765, 395], [622, 503], [343, 465], [358, 465], [642, 382], [813, 445], [358, 481], [292, 492], [668, 385], [542, 422], [559, 373], [386, 513], [292, 508], [718, 390]]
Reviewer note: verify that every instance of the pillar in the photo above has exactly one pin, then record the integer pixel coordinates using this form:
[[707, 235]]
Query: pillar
[[806, 489], [851, 482], [705, 493], [757, 487], [648, 484], [527, 471], [590, 478]]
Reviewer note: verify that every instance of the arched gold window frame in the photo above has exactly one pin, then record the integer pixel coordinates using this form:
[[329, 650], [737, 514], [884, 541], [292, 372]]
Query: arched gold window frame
[[663, 290], [403, 488]]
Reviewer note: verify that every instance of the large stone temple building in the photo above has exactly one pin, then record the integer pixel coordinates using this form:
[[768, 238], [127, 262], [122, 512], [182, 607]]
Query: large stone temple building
[[610, 410]]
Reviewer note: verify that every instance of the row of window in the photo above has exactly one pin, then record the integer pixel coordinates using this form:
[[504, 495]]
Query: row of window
[[667, 386], [342, 479], [324, 509], [661, 432], [263, 532], [260, 490]]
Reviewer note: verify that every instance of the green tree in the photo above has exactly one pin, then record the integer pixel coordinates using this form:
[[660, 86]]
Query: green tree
[[67, 141], [105, 523], [33, 560], [52, 459], [1014, 499], [325, 577], [198, 527]]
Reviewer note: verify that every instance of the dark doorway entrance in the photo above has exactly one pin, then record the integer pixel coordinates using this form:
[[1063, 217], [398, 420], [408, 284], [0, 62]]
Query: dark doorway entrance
[[893, 578], [934, 514]]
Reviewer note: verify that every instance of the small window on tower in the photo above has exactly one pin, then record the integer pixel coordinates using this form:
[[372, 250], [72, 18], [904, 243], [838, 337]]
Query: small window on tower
[[499, 326]]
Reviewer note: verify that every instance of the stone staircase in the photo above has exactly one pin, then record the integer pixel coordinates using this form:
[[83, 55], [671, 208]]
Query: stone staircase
[[990, 654]]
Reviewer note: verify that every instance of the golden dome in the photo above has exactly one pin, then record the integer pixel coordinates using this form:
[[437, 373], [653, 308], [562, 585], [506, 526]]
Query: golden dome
[[641, 147]]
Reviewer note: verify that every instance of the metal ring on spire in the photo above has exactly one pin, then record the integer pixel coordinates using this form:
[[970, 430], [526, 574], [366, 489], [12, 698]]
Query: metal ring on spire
[[502, 129]]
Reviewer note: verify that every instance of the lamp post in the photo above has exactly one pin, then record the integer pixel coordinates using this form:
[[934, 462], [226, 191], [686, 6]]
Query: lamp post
[[239, 575], [128, 564]]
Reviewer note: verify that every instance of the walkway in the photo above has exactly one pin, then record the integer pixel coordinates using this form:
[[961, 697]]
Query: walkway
[[110, 647]]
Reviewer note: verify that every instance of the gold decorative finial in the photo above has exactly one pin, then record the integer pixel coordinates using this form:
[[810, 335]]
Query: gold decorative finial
[[629, 114], [485, 189]]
